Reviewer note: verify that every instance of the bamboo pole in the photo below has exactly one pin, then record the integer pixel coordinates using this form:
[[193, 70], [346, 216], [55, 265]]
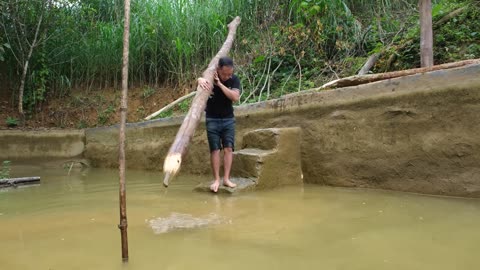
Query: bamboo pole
[[174, 157], [123, 119], [170, 105]]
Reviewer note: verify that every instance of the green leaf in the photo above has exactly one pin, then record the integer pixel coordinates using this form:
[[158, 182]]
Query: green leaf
[[259, 59], [314, 10], [299, 25], [437, 9]]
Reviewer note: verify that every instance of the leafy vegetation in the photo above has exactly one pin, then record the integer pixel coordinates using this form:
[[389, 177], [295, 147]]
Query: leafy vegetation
[[5, 171], [455, 24], [104, 115], [11, 122], [282, 46]]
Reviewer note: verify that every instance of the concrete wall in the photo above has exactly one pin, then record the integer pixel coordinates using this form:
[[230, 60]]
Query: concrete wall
[[417, 133], [41, 144]]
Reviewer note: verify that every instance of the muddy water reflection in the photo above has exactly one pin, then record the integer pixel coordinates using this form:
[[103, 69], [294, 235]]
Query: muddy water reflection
[[69, 222], [178, 221]]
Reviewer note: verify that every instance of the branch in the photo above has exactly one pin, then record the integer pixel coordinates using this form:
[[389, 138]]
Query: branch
[[170, 105], [449, 16]]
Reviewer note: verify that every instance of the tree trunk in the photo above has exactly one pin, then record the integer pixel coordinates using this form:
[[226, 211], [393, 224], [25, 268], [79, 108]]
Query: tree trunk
[[123, 119], [25, 68], [357, 80], [174, 157], [426, 33]]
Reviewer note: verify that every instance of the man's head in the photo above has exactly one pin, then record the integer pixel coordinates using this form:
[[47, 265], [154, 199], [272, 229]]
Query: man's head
[[225, 68]]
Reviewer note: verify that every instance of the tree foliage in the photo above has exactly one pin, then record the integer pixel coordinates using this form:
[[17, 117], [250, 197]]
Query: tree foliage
[[283, 46]]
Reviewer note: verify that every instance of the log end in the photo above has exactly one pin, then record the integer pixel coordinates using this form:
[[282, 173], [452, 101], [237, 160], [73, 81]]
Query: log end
[[234, 23], [171, 166], [166, 179]]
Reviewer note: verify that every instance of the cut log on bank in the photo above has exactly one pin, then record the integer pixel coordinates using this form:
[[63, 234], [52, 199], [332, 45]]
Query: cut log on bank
[[13, 182], [369, 64], [177, 151], [362, 79]]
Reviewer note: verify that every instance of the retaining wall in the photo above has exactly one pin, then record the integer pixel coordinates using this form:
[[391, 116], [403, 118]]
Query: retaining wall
[[417, 133]]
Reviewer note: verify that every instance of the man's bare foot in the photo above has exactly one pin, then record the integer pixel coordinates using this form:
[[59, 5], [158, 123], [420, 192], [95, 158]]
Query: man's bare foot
[[229, 183], [214, 186]]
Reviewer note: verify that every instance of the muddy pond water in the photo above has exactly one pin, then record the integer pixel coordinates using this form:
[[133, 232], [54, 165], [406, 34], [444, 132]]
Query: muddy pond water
[[70, 222]]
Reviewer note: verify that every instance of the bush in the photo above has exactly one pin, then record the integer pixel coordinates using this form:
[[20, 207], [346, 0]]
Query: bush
[[11, 122]]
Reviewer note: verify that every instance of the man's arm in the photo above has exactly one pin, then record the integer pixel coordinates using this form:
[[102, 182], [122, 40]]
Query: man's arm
[[232, 94]]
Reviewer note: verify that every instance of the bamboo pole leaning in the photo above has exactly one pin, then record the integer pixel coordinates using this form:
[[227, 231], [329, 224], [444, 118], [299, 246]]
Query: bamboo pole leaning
[[173, 161]]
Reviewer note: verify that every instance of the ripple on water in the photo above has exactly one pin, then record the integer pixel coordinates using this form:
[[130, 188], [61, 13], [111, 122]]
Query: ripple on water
[[178, 221]]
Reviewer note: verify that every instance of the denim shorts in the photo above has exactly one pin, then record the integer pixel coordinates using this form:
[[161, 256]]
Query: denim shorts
[[220, 133]]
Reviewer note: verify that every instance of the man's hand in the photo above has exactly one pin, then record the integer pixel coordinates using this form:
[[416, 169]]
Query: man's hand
[[216, 80], [205, 84]]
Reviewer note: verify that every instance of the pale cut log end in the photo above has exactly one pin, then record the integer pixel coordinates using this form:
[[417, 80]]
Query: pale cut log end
[[171, 166], [166, 179]]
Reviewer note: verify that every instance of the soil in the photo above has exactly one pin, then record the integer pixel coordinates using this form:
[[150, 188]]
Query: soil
[[83, 109]]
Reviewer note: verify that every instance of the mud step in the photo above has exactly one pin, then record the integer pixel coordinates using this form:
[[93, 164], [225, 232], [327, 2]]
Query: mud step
[[248, 162], [268, 158], [254, 152], [263, 139]]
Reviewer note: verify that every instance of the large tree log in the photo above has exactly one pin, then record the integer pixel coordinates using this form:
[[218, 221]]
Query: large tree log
[[13, 182], [177, 151], [362, 79]]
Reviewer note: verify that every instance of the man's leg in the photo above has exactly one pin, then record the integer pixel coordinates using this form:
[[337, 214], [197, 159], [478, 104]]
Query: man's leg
[[213, 134], [215, 162], [228, 140], [227, 166]]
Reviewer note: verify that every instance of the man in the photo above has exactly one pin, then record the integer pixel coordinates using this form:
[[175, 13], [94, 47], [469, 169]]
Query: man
[[220, 121]]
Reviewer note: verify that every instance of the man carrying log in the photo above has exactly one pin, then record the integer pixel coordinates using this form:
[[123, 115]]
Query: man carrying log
[[220, 120]]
